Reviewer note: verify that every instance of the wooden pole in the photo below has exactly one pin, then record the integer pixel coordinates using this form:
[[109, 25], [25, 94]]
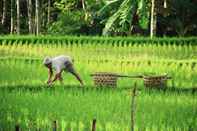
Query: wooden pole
[[94, 125], [54, 126], [133, 107], [17, 128]]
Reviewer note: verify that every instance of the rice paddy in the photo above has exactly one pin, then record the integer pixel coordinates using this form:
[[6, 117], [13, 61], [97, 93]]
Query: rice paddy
[[27, 100]]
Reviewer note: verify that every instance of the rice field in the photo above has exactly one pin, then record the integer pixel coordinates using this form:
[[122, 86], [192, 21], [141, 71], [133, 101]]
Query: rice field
[[26, 99], [76, 108]]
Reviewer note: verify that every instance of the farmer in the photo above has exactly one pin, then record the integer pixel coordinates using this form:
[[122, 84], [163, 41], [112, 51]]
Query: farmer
[[59, 64]]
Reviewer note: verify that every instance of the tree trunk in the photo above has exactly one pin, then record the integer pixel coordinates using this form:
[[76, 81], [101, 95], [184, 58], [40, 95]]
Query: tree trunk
[[97, 1], [4, 12], [49, 11], [43, 14], [29, 7], [37, 20], [84, 9], [83, 4], [165, 4], [18, 17], [153, 25], [43, 19], [12, 17]]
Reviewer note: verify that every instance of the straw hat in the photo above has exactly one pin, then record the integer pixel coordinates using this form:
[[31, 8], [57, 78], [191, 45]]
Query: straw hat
[[47, 60]]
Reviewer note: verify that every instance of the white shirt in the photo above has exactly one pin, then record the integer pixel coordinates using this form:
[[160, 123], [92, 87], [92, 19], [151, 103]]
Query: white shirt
[[58, 63]]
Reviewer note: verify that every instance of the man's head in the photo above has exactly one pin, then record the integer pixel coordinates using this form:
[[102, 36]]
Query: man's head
[[47, 62]]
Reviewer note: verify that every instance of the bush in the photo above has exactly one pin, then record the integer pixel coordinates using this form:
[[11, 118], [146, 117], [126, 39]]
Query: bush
[[67, 23]]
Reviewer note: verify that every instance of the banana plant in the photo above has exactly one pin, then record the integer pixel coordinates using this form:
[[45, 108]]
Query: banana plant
[[123, 15]]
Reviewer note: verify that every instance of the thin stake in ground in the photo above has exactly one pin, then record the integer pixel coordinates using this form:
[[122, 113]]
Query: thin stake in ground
[[133, 107], [54, 125], [94, 125], [17, 128]]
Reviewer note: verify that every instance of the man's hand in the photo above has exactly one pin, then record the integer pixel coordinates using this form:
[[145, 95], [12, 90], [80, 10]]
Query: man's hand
[[49, 82]]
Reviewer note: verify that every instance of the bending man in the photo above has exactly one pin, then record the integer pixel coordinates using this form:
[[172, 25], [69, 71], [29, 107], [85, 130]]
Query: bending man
[[59, 64]]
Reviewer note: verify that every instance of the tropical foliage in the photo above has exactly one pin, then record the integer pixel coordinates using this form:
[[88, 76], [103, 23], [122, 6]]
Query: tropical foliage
[[128, 15], [28, 102], [98, 17]]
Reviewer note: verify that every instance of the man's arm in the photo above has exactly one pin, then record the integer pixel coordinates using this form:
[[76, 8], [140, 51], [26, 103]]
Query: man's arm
[[57, 77], [50, 75]]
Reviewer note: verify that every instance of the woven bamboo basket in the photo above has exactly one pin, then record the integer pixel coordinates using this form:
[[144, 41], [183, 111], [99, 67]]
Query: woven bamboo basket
[[108, 79], [156, 81], [105, 79]]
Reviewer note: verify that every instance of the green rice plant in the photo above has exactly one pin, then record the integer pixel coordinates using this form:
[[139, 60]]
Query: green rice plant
[[25, 98], [77, 108], [31, 71]]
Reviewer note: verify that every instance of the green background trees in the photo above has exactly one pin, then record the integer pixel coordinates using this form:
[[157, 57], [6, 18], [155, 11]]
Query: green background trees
[[99, 17]]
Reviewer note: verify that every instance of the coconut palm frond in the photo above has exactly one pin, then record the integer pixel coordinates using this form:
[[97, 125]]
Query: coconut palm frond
[[123, 15], [110, 23], [108, 5], [143, 12]]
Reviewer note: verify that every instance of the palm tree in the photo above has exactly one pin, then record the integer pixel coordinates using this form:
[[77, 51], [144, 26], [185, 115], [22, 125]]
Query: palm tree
[[125, 15], [4, 12], [48, 12], [153, 19], [30, 21], [37, 18], [84, 9], [12, 17], [18, 17]]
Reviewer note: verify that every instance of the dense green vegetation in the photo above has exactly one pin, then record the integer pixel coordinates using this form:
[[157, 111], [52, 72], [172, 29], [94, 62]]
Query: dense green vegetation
[[100, 36], [128, 56], [27, 100], [27, 71], [99, 17], [76, 108]]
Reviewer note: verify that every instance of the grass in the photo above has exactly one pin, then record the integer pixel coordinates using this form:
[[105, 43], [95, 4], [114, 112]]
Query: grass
[[32, 72], [27, 101], [42, 107], [99, 47]]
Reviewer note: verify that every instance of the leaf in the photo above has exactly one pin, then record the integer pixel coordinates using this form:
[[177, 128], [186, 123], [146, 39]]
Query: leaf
[[109, 23], [143, 13], [123, 15], [108, 6]]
